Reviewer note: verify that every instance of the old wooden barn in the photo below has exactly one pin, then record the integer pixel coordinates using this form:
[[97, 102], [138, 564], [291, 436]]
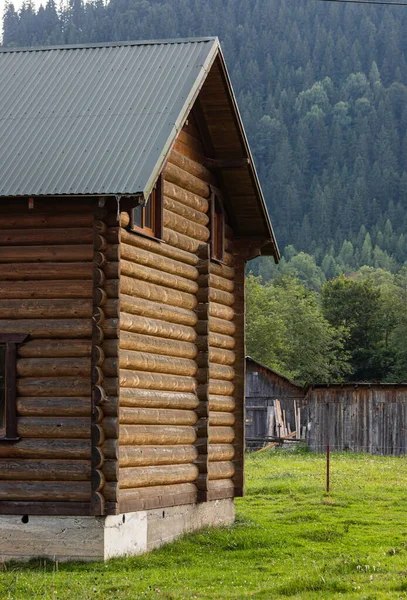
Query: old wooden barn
[[129, 207], [361, 417], [264, 388]]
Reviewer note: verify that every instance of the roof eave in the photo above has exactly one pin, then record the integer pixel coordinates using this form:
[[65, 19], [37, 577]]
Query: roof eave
[[271, 247]]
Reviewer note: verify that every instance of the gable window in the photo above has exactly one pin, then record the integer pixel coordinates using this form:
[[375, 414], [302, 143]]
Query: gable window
[[217, 226], [147, 217], [8, 406]]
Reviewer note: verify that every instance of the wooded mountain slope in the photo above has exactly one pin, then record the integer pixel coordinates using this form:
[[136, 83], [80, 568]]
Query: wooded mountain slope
[[322, 89]]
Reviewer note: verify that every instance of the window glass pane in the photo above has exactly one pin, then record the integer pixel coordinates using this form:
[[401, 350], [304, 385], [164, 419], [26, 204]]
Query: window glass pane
[[2, 390], [138, 216]]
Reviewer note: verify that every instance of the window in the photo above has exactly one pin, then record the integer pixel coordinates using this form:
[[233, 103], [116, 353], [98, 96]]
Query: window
[[217, 227], [147, 217], [8, 408]]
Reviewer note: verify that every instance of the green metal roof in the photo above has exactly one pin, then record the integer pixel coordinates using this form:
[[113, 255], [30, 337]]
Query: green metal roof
[[95, 119]]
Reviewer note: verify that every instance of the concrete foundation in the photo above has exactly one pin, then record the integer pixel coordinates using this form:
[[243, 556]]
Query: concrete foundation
[[101, 538]]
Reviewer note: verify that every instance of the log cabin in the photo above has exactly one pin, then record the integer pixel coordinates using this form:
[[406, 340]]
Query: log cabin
[[129, 206]]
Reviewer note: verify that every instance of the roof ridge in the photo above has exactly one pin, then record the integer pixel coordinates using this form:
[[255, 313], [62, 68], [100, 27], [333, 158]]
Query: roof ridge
[[192, 40]]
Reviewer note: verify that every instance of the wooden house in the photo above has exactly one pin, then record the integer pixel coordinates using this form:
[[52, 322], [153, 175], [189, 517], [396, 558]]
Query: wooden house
[[129, 205], [360, 417], [264, 387]]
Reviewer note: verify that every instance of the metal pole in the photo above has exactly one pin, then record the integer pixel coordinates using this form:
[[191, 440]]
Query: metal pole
[[327, 468]]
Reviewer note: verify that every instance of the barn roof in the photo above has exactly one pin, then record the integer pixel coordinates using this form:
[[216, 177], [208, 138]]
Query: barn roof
[[272, 373], [100, 119]]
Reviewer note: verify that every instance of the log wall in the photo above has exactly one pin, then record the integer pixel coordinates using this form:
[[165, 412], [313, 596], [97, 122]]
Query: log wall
[[365, 418], [46, 290], [177, 339]]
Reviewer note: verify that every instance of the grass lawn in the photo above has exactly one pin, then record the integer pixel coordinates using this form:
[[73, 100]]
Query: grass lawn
[[290, 540]]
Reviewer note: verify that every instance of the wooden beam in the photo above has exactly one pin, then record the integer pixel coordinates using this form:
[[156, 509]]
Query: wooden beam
[[226, 163]]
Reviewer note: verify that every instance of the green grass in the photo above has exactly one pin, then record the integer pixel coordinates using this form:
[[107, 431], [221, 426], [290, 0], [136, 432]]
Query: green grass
[[290, 540]]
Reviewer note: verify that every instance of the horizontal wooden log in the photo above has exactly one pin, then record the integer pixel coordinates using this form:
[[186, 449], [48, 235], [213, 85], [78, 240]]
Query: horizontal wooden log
[[44, 470], [154, 310], [222, 403], [193, 167], [156, 381], [45, 491], [147, 435], [48, 387], [52, 367], [45, 271], [154, 363], [158, 416], [43, 253], [110, 449], [221, 470], [185, 226], [110, 427], [151, 275], [132, 397], [47, 328], [182, 178], [112, 288], [150, 259], [217, 296], [53, 427], [216, 282], [154, 327], [183, 196], [222, 356], [223, 419], [110, 330], [180, 209], [38, 220], [54, 407], [181, 241], [131, 456], [49, 309], [153, 497], [221, 283], [33, 237], [223, 372], [134, 477], [47, 448], [221, 388], [189, 146], [53, 348], [151, 344], [220, 488], [45, 289], [111, 386], [219, 311], [217, 326], [153, 292], [221, 435], [218, 340], [155, 247], [220, 452]]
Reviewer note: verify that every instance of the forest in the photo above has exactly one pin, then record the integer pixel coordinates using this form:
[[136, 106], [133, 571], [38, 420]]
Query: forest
[[322, 88]]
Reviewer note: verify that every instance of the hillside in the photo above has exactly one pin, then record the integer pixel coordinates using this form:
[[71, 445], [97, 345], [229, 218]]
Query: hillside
[[323, 93]]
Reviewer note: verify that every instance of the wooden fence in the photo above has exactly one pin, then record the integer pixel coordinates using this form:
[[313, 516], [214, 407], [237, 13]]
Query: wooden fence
[[361, 418]]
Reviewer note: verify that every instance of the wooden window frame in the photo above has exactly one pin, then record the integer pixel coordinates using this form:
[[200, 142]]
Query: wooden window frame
[[217, 224], [156, 198], [11, 341]]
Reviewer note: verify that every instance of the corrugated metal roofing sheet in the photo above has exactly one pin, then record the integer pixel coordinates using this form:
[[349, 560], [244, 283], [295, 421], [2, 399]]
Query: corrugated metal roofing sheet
[[95, 119]]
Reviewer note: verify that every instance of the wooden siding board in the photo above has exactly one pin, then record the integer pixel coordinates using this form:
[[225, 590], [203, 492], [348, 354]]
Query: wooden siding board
[[360, 419]]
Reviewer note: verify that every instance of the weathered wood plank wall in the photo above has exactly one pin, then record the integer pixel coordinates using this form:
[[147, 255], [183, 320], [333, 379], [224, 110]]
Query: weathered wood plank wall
[[46, 290], [369, 419]]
